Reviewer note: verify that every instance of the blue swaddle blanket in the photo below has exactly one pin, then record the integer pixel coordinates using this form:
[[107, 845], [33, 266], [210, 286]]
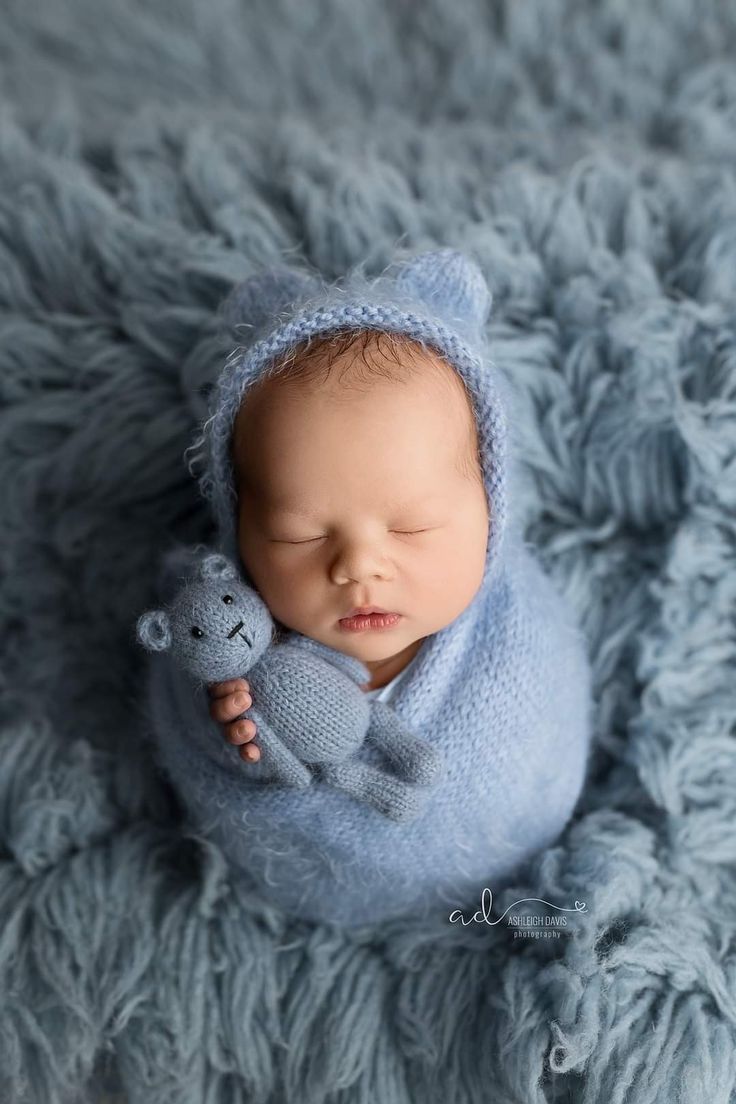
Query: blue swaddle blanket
[[504, 690]]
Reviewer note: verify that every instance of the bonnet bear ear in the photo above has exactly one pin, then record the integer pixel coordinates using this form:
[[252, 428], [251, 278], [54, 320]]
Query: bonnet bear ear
[[217, 566], [154, 630], [450, 282], [261, 296]]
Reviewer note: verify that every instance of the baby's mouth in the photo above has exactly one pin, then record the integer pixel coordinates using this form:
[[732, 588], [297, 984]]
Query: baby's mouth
[[357, 611], [363, 622]]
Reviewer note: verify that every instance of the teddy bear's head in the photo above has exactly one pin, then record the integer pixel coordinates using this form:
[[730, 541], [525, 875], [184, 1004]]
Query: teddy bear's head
[[217, 627]]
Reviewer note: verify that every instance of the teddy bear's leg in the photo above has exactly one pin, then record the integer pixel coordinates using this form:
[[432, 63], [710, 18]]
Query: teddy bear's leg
[[415, 760], [287, 769], [387, 794]]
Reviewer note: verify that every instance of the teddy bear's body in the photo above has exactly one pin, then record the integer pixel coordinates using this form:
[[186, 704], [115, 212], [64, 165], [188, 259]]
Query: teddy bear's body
[[287, 671]]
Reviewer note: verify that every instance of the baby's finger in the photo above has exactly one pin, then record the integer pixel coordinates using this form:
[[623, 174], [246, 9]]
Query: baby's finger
[[240, 732], [220, 689], [231, 706], [250, 753]]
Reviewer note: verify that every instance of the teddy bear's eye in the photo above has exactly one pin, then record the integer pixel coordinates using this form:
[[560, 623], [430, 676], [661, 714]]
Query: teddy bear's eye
[[227, 599], [196, 631]]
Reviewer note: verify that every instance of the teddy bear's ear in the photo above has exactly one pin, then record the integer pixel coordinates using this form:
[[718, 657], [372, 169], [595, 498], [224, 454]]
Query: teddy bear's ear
[[217, 566], [450, 282], [154, 630]]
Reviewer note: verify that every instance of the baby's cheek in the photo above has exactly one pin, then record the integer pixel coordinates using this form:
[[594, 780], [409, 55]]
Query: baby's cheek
[[287, 584]]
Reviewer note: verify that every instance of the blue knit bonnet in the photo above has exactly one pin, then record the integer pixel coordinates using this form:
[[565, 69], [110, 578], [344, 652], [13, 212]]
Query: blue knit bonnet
[[439, 298]]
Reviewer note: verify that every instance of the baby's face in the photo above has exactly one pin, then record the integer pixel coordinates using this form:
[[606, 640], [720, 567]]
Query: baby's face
[[355, 498]]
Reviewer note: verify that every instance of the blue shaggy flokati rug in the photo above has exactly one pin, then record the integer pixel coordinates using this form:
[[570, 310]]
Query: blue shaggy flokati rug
[[150, 157]]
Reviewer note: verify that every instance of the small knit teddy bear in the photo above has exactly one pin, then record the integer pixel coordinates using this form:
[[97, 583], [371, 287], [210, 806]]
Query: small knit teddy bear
[[311, 712]]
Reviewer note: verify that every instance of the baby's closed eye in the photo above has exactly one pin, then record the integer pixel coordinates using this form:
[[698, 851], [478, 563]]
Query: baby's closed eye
[[324, 536]]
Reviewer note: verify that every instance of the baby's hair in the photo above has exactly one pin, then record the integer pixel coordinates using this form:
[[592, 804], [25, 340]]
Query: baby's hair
[[382, 355]]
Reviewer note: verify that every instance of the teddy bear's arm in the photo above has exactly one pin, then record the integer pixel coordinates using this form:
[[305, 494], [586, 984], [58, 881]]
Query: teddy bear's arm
[[414, 758]]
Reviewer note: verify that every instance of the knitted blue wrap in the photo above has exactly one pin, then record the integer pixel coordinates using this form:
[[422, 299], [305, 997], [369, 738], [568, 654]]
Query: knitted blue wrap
[[504, 690]]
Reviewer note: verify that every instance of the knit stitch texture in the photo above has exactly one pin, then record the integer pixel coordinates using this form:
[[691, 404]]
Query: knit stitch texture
[[504, 690], [312, 716], [154, 156]]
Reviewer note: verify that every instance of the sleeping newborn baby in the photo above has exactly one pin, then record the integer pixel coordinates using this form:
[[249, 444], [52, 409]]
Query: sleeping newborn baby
[[359, 489], [358, 465]]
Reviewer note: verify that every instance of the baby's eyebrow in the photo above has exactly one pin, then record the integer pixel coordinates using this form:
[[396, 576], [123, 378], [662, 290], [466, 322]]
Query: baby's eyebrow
[[284, 506]]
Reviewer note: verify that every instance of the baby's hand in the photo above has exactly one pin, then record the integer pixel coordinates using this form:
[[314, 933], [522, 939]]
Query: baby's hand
[[229, 700]]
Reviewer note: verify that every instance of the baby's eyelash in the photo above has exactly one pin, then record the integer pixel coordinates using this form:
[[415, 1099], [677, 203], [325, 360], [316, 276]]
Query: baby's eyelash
[[311, 540]]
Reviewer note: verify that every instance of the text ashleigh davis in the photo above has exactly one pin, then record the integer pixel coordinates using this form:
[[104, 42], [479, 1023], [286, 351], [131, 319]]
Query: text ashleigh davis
[[530, 926], [525, 925]]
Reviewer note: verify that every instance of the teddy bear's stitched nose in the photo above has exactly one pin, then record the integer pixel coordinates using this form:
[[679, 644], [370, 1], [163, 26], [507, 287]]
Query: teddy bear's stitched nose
[[237, 629]]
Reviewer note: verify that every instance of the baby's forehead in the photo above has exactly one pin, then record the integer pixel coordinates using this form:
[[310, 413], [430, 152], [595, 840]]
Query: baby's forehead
[[341, 365], [355, 367]]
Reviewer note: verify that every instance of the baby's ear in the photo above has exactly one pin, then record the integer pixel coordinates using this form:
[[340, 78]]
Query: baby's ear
[[451, 283], [154, 630], [217, 566], [259, 297]]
